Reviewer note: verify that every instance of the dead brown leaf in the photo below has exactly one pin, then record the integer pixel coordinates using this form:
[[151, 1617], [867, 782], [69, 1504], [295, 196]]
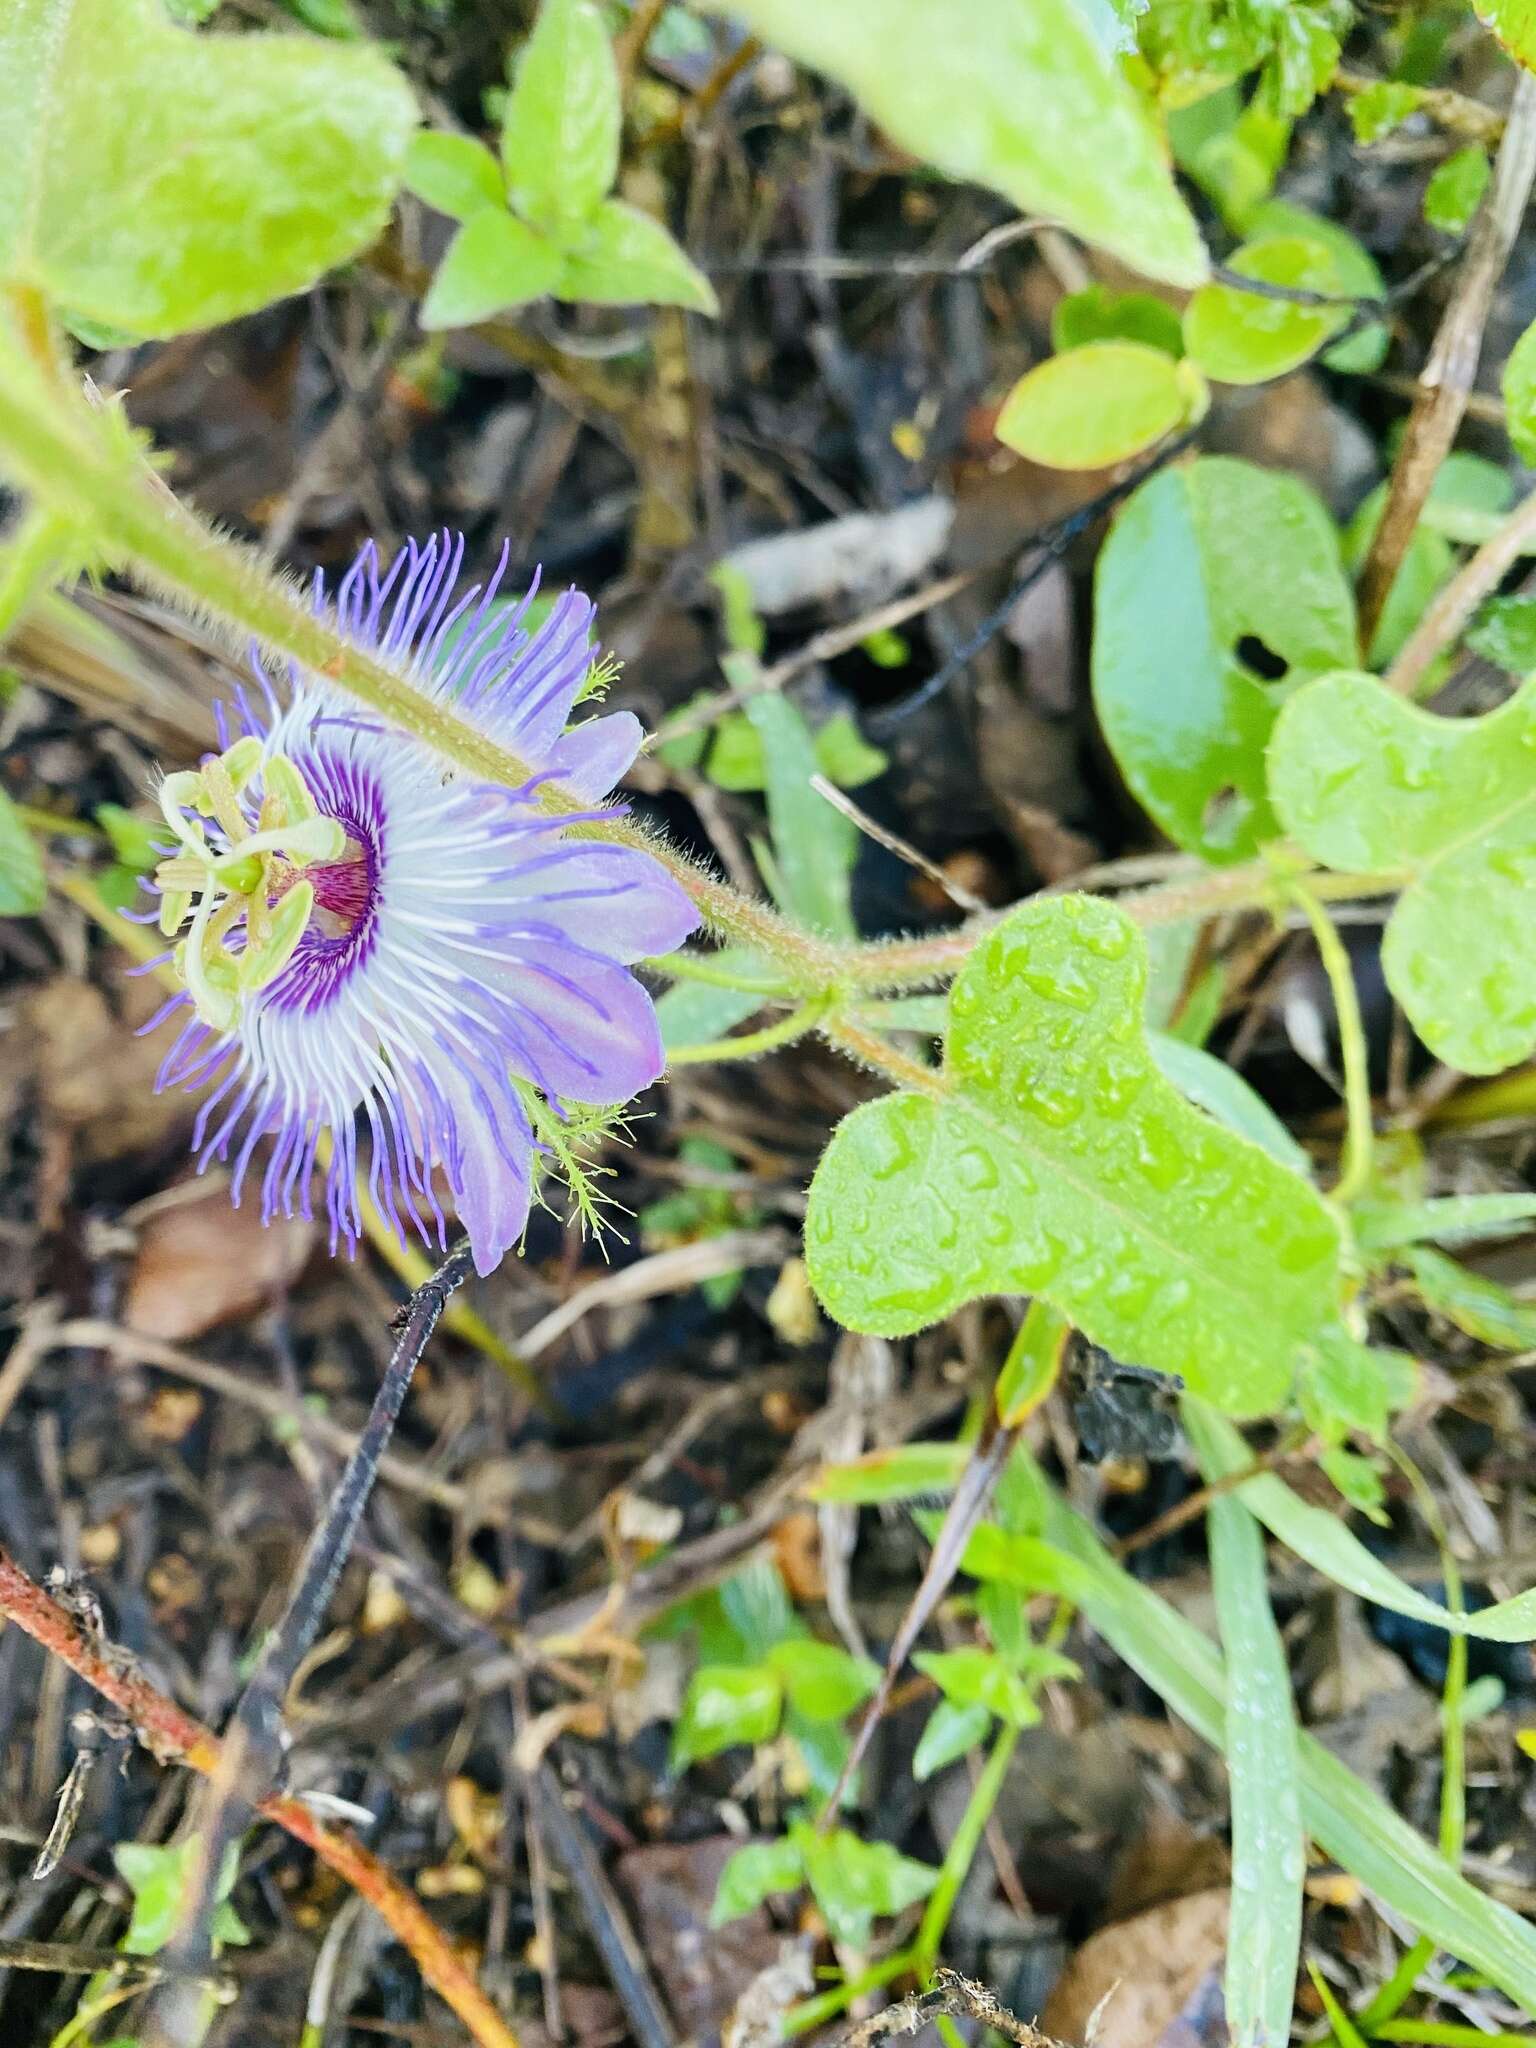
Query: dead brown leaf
[[703, 1968], [1155, 1972], [202, 1262], [95, 1078]]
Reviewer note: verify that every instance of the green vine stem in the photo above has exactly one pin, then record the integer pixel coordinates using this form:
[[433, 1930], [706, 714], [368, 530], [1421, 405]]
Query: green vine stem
[[784, 1031], [1359, 1135], [962, 1850], [86, 469]]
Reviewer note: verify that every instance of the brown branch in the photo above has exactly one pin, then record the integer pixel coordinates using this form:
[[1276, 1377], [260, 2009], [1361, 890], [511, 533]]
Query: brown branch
[[174, 1736], [252, 1760], [1445, 383], [1451, 609]]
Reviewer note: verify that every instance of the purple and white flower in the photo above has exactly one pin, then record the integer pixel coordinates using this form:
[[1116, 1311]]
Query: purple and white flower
[[378, 939]]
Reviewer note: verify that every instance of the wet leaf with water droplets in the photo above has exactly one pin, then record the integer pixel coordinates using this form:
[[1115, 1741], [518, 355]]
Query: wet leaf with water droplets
[[1058, 1161], [1366, 781], [1219, 588]]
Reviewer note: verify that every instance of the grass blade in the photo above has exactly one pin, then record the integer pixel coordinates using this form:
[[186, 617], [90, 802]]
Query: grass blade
[[1328, 1545], [1269, 1858], [1352, 1823]]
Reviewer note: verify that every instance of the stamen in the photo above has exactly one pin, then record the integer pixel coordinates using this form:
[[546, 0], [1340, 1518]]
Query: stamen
[[248, 882]]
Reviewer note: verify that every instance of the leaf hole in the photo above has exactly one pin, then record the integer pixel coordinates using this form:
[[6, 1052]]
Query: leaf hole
[[1261, 660]]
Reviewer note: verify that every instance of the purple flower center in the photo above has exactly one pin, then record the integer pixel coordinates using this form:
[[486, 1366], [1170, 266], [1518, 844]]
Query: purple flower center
[[344, 889], [343, 926]]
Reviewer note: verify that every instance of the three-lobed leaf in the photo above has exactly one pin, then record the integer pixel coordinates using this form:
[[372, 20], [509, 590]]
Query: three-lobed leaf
[[1207, 564], [1026, 100], [563, 234], [1053, 1158], [1364, 780], [160, 180]]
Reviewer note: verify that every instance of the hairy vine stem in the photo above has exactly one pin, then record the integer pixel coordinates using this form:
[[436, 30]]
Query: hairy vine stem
[[83, 465]]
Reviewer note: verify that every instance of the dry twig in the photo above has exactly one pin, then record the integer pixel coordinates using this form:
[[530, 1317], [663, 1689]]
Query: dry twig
[[1446, 380]]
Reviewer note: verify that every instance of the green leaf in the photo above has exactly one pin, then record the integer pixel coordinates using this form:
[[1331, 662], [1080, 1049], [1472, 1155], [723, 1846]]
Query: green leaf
[[1224, 1094], [1331, 1548], [1514, 23], [1473, 1302], [1358, 1479], [1363, 780], [453, 173], [1384, 105], [1354, 265], [1504, 632], [1446, 1219], [1352, 1823], [1348, 1385], [738, 759], [814, 845], [493, 262], [160, 180], [1240, 337], [822, 1681], [949, 1732], [1202, 560], [1025, 101], [904, 1472], [135, 840], [158, 1877], [1098, 404], [820, 1750], [1099, 313], [726, 1704], [623, 257], [974, 1677], [1033, 1364], [757, 1606], [753, 1874], [845, 756], [1054, 1159], [854, 1882], [1269, 1850], [1426, 565], [23, 886], [1232, 152], [697, 1013], [1520, 396], [560, 132], [1456, 190]]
